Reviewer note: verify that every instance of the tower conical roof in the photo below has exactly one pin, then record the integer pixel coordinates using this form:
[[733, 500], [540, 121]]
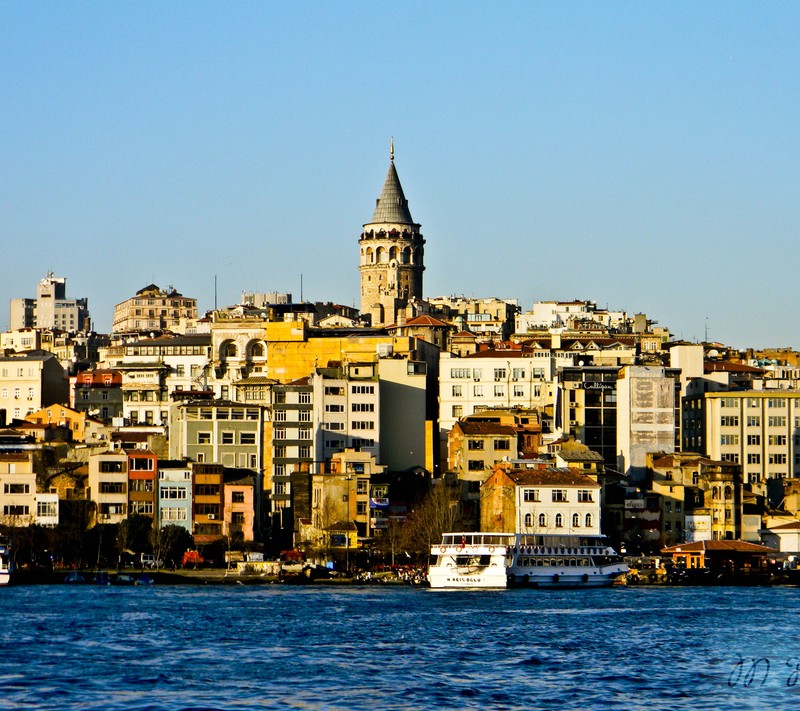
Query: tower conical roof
[[392, 205]]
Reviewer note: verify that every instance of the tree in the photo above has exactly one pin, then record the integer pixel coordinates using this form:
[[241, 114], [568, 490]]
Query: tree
[[170, 543], [134, 534], [438, 512]]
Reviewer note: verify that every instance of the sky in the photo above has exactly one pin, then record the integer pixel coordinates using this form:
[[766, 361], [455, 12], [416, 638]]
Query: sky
[[644, 156]]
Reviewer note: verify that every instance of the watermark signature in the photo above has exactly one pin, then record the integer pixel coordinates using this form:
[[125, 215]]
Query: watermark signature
[[755, 672]]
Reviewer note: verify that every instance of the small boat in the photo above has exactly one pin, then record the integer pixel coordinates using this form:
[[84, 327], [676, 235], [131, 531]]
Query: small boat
[[101, 578], [74, 577], [6, 561], [145, 579], [123, 579]]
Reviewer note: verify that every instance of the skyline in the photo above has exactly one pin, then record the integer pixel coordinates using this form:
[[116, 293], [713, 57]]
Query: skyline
[[549, 153]]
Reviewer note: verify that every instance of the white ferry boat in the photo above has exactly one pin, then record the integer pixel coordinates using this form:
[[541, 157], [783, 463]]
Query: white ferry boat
[[499, 560], [6, 562], [470, 560], [550, 561]]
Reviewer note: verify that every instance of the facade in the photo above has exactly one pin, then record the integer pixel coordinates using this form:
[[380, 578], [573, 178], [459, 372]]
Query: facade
[[153, 309], [539, 500], [489, 319], [142, 483], [18, 506], [239, 513], [392, 255], [175, 494], [646, 416], [756, 429], [97, 393], [207, 500], [51, 308], [81, 427], [29, 382], [293, 435], [494, 378], [108, 485], [218, 432]]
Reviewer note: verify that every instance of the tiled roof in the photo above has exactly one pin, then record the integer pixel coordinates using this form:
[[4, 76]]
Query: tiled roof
[[552, 476], [724, 545], [486, 428], [726, 367]]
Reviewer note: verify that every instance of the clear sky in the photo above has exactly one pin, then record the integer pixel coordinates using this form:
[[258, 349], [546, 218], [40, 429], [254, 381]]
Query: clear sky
[[641, 155]]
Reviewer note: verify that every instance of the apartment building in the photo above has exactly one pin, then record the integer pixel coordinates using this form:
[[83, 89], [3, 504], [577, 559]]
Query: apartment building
[[108, 485], [174, 493], [153, 309], [29, 382]]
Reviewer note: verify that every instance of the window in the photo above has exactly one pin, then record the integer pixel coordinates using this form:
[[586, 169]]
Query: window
[[576, 520], [304, 416], [729, 421], [459, 373], [502, 445], [280, 433], [777, 459], [588, 520], [458, 411], [207, 490], [363, 389], [227, 438], [305, 398], [237, 517], [475, 465], [237, 497], [46, 508], [16, 488], [173, 492], [280, 415], [247, 438], [203, 438], [334, 408], [559, 495], [475, 444], [112, 487], [754, 459], [754, 439], [499, 374], [559, 521], [776, 402], [305, 432], [363, 407], [499, 391], [174, 514], [753, 421], [776, 421], [530, 495], [142, 464], [585, 496], [729, 402], [359, 425], [109, 467], [304, 452], [729, 440], [777, 440], [542, 520], [528, 520], [477, 390], [732, 457], [519, 391], [457, 391]]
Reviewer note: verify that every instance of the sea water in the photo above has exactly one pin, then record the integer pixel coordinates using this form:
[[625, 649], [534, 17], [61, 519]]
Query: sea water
[[388, 647]]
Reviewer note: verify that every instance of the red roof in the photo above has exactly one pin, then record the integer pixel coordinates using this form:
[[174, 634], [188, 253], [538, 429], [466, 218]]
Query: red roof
[[731, 546]]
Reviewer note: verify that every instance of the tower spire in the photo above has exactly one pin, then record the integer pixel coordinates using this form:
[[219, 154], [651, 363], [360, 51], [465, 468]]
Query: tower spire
[[391, 149]]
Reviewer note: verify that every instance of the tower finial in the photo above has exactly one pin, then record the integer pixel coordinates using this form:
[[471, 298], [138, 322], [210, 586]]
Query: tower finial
[[391, 149]]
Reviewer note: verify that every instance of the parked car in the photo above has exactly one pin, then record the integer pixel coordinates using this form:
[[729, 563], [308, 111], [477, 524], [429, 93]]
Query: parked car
[[149, 561]]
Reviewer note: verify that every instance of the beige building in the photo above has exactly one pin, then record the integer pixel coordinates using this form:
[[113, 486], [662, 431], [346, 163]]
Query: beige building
[[108, 485], [392, 255], [17, 489], [51, 308], [757, 429], [29, 382], [153, 309]]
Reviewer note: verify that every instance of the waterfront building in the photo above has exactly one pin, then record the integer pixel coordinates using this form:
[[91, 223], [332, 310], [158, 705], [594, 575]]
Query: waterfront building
[[239, 506], [392, 255], [154, 309], [174, 493], [540, 500], [142, 479], [208, 502], [81, 427], [108, 485], [51, 309], [18, 504]]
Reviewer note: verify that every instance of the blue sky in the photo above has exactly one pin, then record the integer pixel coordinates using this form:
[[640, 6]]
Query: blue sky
[[641, 155]]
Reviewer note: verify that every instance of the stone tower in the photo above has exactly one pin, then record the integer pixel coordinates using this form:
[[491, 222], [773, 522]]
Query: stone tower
[[391, 255]]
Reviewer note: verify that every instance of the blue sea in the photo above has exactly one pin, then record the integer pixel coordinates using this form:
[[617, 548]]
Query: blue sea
[[387, 647]]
